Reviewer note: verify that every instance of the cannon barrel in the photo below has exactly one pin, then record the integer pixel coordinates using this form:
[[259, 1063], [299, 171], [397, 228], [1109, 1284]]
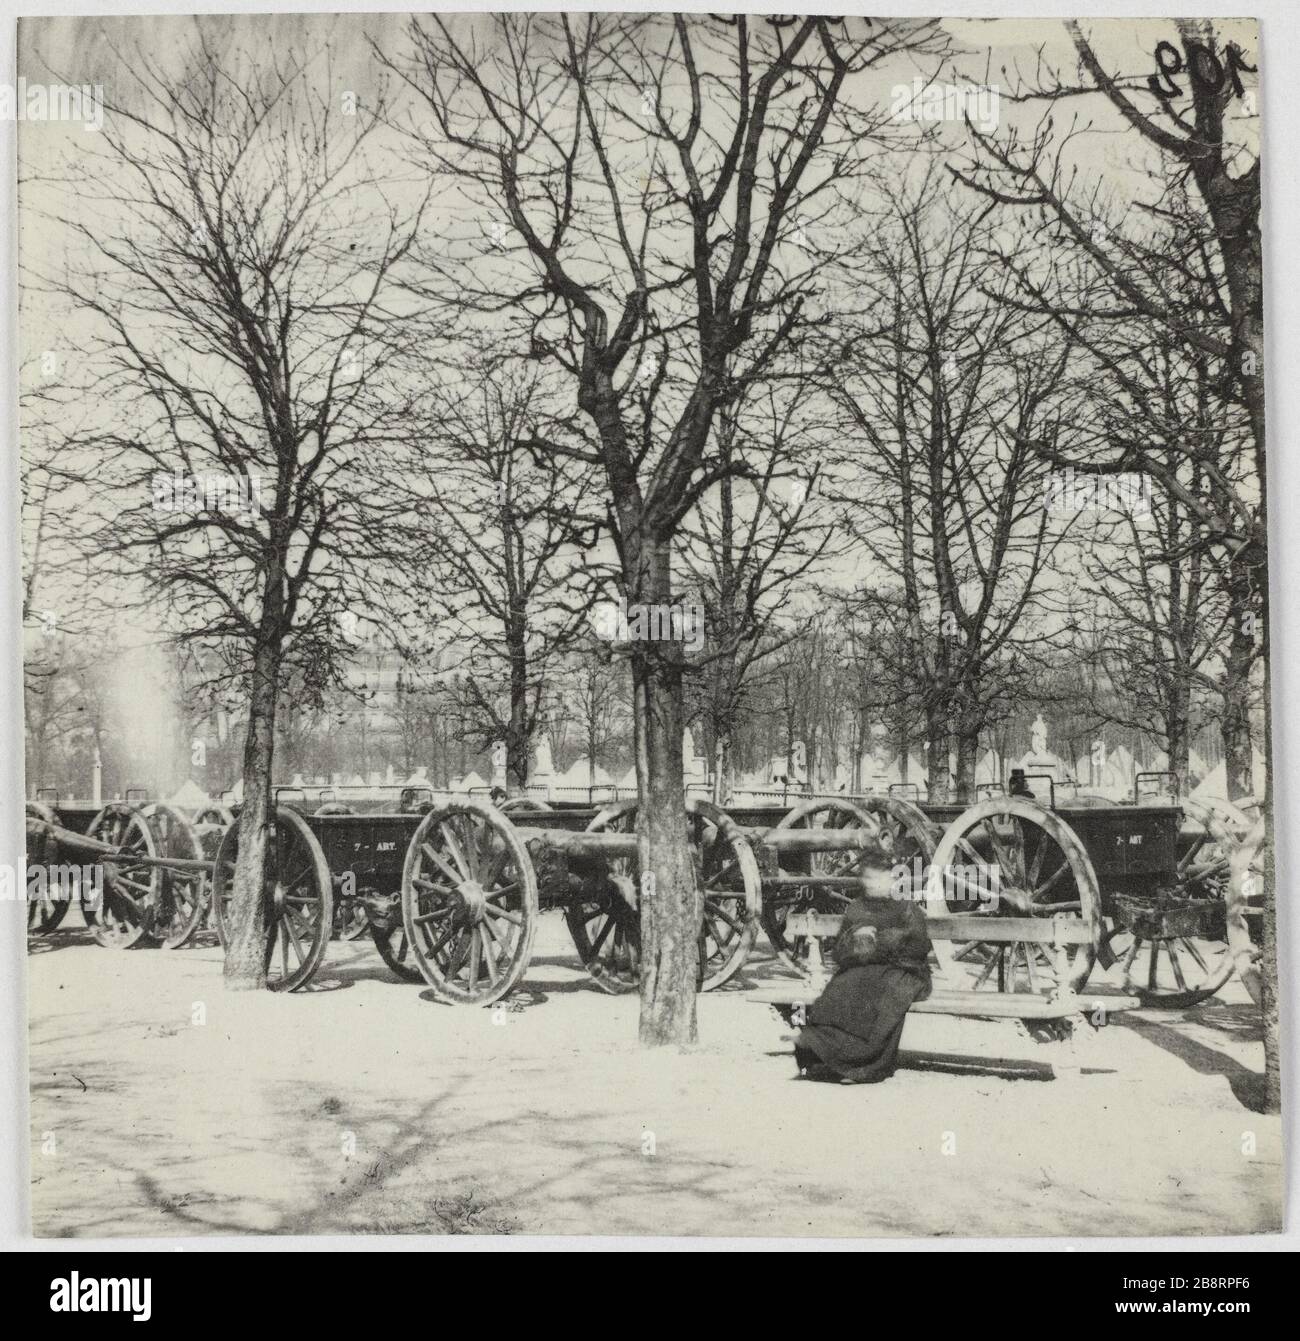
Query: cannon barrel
[[803, 841], [74, 843], [69, 838], [581, 843]]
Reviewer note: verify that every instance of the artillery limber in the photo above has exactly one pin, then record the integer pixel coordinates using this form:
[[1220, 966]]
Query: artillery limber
[[150, 862], [451, 891], [1149, 879]]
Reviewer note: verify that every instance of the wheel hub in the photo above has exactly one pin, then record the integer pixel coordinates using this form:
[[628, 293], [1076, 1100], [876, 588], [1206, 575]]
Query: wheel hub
[[473, 899]]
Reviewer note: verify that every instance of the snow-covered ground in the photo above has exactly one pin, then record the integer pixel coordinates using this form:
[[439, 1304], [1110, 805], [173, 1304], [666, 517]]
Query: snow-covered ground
[[162, 1105]]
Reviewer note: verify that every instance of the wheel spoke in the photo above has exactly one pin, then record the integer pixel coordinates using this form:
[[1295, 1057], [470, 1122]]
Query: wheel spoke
[[604, 932], [436, 857], [711, 882], [502, 946], [1038, 892], [1190, 947], [287, 923], [441, 941], [475, 951], [489, 953], [1029, 968], [717, 911], [1198, 842], [457, 958], [452, 833], [994, 961]]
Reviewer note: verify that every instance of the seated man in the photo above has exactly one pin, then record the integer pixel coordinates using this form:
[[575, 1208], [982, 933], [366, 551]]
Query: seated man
[[852, 1030]]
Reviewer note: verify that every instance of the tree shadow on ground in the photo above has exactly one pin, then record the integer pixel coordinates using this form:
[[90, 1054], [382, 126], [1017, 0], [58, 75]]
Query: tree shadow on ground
[[61, 939], [1247, 1086]]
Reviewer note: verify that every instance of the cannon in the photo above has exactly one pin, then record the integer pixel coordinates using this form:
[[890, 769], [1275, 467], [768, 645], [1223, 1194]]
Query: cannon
[[155, 869], [453, 891]]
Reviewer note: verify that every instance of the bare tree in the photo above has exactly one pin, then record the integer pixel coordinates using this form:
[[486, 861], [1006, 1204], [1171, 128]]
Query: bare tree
[[747, 547], [941, 388], [649, 173], [234, 250], [501, 544], [1194, 115]]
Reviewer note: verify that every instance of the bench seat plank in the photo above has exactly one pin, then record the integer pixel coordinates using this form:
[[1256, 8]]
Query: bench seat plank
[[965, 927], [987, 1005]]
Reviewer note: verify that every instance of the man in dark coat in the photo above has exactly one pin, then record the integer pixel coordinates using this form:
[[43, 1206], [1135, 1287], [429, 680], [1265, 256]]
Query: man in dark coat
[[852, 1030]]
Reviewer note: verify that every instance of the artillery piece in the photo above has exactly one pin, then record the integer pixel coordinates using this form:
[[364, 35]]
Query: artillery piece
[[155, 870], [469, 884]]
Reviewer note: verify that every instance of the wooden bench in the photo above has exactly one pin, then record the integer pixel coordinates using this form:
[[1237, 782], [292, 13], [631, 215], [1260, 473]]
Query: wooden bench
[[1069, 1012]]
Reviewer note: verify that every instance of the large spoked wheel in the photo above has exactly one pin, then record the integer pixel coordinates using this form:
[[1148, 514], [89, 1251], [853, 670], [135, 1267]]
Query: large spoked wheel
[[299, 900], [896, 846], [1237, 819], [1009, 856], [184, 893], [606, 927], [45, 912], [350, 920], [132, 891], [210, 824], [1172, 945], [732, 891], [469, 902]]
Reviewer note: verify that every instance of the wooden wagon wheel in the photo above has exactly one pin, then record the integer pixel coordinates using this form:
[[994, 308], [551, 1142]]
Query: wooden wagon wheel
[[1244, 897], [898, 844], [1010, 856], [184, 897], [606, 928], [1237, 819], [1175, 971], [732, 890], [350, 920], [132, 893], [45, 913], [469, 902], [299, 900]]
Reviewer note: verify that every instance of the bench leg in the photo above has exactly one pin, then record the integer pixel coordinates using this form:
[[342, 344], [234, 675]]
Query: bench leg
[[1073, 1050]]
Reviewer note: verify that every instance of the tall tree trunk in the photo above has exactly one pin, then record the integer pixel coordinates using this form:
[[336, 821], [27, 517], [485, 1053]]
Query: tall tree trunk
[[722, 762], [246, 948], [968, 741], [1238, 761], [517, 736], [1268, 963], [671, 906], [592, 729], [1176, 740], [938, 738]]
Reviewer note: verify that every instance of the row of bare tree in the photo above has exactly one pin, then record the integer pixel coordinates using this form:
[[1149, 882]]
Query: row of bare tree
[[672, 308]]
